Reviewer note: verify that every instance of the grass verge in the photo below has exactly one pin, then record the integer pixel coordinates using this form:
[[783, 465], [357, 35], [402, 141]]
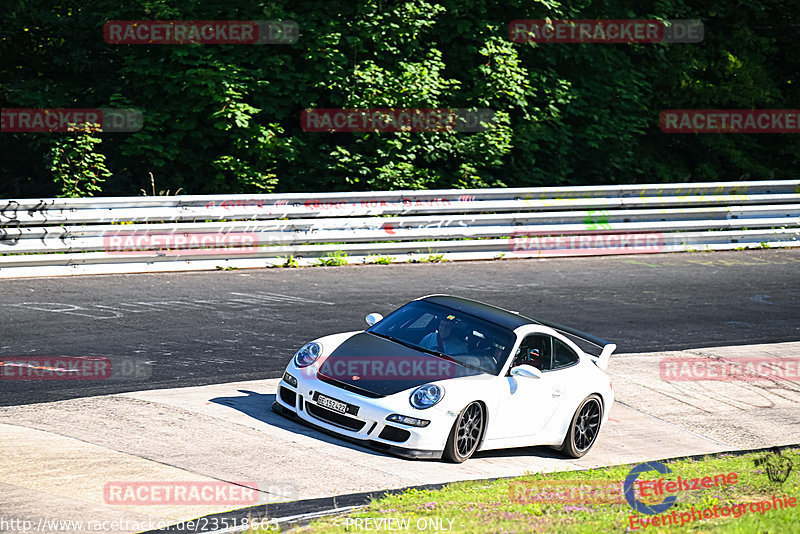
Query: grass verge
[[592, 501]]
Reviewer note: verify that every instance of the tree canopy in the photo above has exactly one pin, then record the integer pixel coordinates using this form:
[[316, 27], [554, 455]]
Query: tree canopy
[[225, 118]]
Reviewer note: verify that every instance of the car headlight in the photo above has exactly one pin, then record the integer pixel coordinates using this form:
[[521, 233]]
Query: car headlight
[[426, 396], [406, 420], [308, 354]]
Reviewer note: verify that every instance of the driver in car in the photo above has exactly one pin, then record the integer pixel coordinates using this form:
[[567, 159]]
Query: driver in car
[[445, 339], [530, 356]]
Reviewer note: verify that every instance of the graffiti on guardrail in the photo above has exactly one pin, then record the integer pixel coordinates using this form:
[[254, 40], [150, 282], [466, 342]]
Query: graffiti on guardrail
[[9, 211], [270, 226], [682, 196], [390, 225], [243, 239], [597, 220], [256, 202], [687, 195], [40, 207], [322, 205], [10, 234], [319, 205], [392, 229]]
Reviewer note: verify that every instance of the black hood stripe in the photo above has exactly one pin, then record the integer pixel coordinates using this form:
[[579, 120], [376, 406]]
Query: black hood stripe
[[381, 367]]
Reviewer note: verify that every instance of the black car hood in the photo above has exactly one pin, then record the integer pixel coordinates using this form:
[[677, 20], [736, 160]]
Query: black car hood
[[377, 367]]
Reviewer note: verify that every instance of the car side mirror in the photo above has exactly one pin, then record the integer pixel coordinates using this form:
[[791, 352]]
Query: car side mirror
[[373, 318], [527, 371]]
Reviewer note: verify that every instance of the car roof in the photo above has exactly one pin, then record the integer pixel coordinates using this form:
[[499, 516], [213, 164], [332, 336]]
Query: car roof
[[493, 314]]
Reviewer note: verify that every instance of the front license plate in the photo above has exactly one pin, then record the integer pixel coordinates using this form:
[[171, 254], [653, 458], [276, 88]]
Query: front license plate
[[336, 405]]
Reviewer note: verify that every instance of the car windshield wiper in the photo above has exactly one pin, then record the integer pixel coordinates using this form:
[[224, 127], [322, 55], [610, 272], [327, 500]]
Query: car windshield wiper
[[399, 341], [415, 347], [384, 336], [437, 353]]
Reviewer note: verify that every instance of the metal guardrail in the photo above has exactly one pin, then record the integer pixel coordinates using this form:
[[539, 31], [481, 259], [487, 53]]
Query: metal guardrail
[[139, 234]]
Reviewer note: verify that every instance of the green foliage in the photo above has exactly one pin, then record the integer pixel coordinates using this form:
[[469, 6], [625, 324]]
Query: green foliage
[[379, 260], [77, 168], [431, 258], [226, 118], [434, 258], [332, 259], [591, 501], [289, 262]]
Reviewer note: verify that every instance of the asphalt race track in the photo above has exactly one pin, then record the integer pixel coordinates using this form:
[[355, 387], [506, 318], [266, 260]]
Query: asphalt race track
[[185, 329]]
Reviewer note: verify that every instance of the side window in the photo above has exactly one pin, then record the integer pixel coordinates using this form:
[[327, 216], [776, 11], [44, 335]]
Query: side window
[[535, 350], [564, 356]]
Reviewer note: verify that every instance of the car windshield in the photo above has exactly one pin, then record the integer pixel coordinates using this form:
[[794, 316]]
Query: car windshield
[[467, 339]]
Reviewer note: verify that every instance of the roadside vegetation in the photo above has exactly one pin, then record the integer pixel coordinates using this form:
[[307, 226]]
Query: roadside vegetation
[[220, 119], [519, 505]]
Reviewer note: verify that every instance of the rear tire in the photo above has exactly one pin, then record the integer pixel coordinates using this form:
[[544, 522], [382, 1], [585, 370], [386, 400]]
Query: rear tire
[[466, 433], [584, 427]]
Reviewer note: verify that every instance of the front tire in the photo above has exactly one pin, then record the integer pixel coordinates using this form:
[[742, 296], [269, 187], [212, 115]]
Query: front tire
[[466, 433], [584, 427]]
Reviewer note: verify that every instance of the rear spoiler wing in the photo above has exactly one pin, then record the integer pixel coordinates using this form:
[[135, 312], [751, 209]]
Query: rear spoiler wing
[[607, 348], [602, 360]]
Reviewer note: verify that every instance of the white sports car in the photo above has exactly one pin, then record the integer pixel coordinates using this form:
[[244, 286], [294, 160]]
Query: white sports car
[[448, 376]]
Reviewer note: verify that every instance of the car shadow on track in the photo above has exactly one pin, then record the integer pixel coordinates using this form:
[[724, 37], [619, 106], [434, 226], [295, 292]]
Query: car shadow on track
[[538, 452], [258, 406]]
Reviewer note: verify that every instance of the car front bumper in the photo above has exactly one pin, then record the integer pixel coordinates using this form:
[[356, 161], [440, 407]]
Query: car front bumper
[[421, 443], [416, 454]]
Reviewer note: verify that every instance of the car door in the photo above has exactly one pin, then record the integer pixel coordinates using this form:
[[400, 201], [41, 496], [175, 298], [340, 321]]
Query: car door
[[527, 404]]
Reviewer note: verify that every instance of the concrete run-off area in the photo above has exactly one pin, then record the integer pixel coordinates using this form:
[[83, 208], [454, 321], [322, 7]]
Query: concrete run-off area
[[58, 459]]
